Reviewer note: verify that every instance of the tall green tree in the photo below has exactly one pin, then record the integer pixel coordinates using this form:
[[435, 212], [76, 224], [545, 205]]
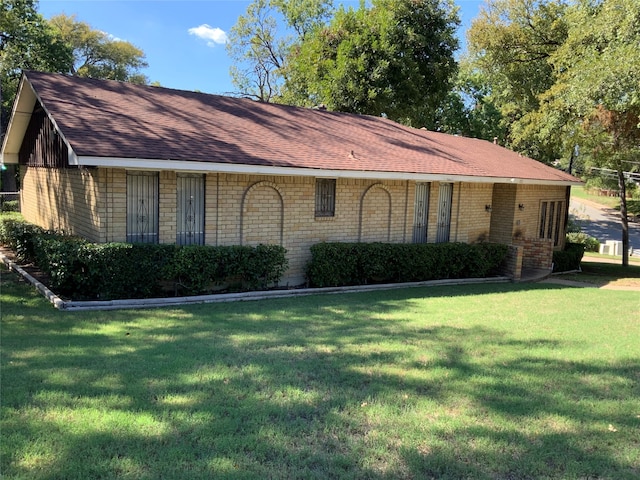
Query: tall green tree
[[392, 58], [260, 42], [27, 41], [469, 109], [98, 55], [511, 43], [597, 88]]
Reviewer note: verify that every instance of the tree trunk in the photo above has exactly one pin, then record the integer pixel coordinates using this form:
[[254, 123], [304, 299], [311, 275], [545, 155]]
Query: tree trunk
[[623, 218]]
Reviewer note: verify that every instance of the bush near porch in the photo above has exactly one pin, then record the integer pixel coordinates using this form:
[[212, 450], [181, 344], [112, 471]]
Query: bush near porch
[[338, 264]]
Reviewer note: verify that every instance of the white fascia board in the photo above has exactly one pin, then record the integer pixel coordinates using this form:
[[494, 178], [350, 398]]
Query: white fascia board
[[26, 99], [18, 122], [192, 166]]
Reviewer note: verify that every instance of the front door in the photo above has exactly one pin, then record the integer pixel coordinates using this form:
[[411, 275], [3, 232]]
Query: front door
[[444, 212]]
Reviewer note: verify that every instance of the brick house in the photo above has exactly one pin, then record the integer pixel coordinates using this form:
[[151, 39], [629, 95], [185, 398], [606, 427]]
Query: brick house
[[116, 162]]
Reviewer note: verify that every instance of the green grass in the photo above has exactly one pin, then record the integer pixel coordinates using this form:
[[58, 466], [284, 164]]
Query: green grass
[[633, 205], [486, 381], [601, 270]]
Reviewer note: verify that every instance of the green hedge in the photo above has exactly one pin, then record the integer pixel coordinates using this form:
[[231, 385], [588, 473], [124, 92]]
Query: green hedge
[[82, 270], [10, 206], [591, 244], [568, 259], [19, 235], [339, 264], [198, 269]]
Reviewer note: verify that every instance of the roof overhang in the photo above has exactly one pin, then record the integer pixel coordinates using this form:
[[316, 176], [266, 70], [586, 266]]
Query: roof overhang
[[205, 167], [26, 99], [19, 121]]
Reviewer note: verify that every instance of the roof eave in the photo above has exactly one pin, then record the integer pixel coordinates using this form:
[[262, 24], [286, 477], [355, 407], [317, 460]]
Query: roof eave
[[18, 121], [205, 167], [23, 105]]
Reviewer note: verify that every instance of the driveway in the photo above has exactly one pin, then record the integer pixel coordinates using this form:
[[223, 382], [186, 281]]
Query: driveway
[[603, 223]]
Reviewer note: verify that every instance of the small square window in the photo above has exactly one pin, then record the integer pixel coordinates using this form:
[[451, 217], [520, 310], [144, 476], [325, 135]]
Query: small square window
[[325, 197]]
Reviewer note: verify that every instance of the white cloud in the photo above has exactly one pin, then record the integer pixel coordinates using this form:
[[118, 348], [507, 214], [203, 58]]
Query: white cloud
[[212, 35]]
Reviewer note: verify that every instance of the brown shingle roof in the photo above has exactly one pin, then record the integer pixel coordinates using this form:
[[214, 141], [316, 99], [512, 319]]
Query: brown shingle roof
[[114, 119]]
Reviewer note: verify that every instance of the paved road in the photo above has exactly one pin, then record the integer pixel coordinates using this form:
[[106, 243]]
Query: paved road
[[603, 223]]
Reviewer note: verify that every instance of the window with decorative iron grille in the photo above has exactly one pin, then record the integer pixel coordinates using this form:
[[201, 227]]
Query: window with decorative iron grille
[[142, 207], [325, 197], [190, 210]]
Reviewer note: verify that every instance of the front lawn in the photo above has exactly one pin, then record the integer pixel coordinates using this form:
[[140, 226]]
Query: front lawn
[[485, 382]]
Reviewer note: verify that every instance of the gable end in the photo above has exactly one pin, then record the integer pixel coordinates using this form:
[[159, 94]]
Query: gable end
[[42, 145]]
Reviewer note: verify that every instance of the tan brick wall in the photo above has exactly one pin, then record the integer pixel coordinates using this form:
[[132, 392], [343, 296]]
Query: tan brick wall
[[471, 219], [537, 253], [527, 220], [115, 192], [63, 199], [510, 223], [262, 214], [167, 198], [502, 212], [376, 214], [512, 266], [252, 209]]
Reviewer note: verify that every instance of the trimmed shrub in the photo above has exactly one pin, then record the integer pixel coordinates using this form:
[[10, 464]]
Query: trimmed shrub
[[339, 264], [10, 206], [590, 244], [82, 270], [199, 269], [569, 258], [19, 236]]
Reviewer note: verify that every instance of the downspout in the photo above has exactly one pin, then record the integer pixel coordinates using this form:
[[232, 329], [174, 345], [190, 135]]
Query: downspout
[[458, 208], [406, 211], [218, 208]]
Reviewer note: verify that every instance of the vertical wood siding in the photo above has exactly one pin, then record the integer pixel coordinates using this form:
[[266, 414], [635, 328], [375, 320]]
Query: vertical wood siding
[[42, 145]]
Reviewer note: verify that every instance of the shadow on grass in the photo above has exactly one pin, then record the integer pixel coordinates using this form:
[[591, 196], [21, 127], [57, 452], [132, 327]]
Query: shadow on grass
[[321, 387]]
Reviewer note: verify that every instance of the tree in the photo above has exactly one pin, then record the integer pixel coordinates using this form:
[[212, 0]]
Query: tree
[[511, 42], [96, 54], [598, 88], [469, 109], [259, 50], [394, 58], [27, 41]]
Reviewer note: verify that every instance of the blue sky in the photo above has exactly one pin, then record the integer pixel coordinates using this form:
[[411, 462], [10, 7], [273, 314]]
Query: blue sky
[[183, 39]]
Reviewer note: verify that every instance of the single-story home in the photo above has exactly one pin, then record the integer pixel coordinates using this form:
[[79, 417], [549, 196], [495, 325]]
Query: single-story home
[[117, 162]]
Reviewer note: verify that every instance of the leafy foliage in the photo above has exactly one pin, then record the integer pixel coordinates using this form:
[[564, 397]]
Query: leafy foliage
[[10, 206], [598, 72], [338, 264], [569, 258], [393, 58], [27, 41], [83, 270], [96, 54], [590, 243], [511, 42], [19, 236], [198, 269], [469, 109]]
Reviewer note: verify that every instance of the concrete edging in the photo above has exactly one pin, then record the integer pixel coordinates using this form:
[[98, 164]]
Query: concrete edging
[[76, 306]]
